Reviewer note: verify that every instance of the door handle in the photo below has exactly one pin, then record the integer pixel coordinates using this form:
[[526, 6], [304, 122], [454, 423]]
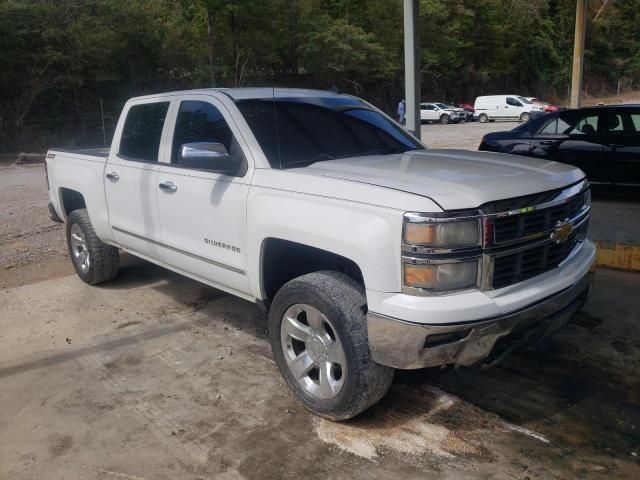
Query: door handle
[[168, 186], [546, 142], [113, 176]]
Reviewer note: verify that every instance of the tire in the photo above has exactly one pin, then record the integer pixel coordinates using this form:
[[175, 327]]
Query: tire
[[444, 119], [483, 118], [525, 117], [94, 261], [327, 310]]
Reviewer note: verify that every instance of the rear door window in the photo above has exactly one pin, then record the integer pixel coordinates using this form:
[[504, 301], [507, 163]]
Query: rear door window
[[584, 124], [558, 126], [142, 130], [622, 123]]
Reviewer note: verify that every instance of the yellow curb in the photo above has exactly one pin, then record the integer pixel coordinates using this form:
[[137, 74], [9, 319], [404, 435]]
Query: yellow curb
[[616, 255]]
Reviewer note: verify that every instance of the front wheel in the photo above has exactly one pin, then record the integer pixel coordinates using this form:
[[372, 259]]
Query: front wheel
[[94, 260], [483, 118], [444, 119], [525, 117], [318, 333]]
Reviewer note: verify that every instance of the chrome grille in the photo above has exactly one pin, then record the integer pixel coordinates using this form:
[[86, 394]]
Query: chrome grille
[[525, 242], [509, 228], [517, 267]]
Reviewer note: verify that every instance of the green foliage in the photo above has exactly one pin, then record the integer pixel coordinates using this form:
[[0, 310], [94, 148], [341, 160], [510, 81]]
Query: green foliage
[[60, 57]]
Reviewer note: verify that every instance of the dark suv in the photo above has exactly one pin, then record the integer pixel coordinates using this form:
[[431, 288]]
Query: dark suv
[[603, 141]]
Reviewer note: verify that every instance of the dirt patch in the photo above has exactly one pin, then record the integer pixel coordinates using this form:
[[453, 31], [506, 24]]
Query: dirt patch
[[32, 247], [59, 444], [407, 421]]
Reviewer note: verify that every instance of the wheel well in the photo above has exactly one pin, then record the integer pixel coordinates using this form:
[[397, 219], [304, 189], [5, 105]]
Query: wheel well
[[71, 200], [283, 261]]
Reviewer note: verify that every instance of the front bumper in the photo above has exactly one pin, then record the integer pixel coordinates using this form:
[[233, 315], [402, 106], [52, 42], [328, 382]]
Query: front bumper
[[407, 345]]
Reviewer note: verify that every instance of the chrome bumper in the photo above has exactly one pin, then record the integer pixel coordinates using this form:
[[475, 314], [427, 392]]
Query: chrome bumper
[[406, 345]]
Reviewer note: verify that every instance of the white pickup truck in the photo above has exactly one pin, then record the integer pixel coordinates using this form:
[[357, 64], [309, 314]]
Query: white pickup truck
[[370, 251]]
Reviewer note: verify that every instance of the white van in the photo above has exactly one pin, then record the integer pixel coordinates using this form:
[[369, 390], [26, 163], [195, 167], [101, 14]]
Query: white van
[[505, 107]]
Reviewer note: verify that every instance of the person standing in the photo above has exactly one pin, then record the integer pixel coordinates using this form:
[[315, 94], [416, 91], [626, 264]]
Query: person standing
[[402, 109]]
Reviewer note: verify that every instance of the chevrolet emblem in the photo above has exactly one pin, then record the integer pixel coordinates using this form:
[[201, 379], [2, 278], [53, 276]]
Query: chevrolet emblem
[[562, 231]]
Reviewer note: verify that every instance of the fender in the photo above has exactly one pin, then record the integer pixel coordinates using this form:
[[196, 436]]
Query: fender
[[86, 177], [361, 232]]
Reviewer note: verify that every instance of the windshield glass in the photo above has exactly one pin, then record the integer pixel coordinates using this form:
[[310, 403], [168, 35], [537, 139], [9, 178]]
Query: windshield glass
[[443, 106], [299, 131], [523, 100]]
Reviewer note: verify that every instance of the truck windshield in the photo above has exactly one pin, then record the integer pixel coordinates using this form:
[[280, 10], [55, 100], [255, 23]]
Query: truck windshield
[[299, 131]]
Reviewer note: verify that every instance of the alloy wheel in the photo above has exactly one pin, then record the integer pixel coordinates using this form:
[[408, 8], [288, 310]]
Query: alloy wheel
[[313, 352], [79, 248]]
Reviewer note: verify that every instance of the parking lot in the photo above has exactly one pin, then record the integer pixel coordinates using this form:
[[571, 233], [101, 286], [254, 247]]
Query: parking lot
[[154, 376], [461, 135]]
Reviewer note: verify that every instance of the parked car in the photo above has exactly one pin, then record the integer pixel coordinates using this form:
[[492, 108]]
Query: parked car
[[369, 251], [469, 110], [548, 107], [458, 111], [603, 141], [440, 112], [505, 107]]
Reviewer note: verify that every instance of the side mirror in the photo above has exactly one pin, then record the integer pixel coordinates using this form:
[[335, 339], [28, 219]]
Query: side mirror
[[210, 156]]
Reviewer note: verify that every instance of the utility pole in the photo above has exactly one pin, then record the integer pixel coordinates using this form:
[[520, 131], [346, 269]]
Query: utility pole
[[211, 41], [412, 66], [578, 53]]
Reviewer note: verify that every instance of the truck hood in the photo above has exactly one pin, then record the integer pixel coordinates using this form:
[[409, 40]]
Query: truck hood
[[454, 179]]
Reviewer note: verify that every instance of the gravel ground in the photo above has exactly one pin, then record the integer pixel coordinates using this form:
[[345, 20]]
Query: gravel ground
[[461, 135], [32, 246]]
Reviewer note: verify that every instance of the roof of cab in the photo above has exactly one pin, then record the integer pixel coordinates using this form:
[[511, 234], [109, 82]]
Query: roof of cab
[[255, 93]]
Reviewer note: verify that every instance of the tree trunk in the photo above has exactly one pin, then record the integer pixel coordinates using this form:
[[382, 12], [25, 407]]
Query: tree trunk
[[211, 39]]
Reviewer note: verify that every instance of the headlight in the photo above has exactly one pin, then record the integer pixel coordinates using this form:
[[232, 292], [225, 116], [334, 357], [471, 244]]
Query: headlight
[[447, 234], [441, 277], [441, 254]]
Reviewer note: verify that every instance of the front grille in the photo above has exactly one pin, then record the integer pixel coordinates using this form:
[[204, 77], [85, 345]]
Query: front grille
[[515, 226], [525, 264]]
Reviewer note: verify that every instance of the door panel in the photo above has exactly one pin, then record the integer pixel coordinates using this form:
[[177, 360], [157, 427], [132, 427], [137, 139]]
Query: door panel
[[131, 177], [133, 212], [428, 112], [571, 138], [203, 218], [622, 147], [204, 225], [511, 108]]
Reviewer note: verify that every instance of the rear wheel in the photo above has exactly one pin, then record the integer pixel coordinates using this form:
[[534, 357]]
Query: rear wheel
[[483, 118], [525, 117], [93, 260], [444, 119], [318, 333]]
